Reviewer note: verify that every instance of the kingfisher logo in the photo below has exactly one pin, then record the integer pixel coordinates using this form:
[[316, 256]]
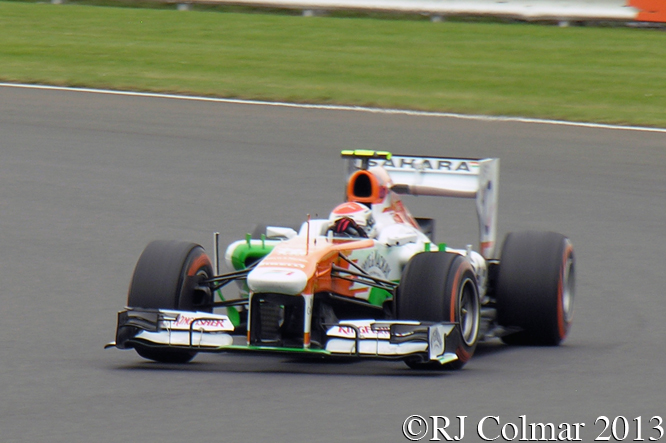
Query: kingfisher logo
[[208, 324], [427, 164]]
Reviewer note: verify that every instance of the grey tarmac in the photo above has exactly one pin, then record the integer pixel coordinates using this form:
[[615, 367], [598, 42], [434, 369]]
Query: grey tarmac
[[87, 180]]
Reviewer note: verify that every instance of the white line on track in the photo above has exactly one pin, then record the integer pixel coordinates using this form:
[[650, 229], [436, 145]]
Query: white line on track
[[341, 108]]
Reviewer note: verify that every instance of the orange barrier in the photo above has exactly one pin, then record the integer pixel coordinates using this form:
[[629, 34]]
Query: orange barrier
[[650, 10]]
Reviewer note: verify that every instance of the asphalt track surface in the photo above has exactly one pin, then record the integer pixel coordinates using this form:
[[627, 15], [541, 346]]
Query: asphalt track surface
[[88, 179]]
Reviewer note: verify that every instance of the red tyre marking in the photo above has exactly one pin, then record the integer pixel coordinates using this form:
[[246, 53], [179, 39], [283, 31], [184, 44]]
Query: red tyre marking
[[462, 354], [197, 264], [454, 296]]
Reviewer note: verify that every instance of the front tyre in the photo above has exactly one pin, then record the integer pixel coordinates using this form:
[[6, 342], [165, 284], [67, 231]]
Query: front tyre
[[441, 287], [535, 287], [169, 275]]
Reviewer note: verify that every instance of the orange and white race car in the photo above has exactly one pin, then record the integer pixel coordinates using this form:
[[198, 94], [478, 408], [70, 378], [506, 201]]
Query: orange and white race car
[[368, 281]]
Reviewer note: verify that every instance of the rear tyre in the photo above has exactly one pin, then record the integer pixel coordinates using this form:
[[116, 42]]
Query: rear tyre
[[441, 287], [168, 275], [535, 287]]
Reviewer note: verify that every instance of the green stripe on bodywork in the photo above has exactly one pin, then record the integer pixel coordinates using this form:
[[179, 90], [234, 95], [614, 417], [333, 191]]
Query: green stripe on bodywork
[[274, 349], [234, 316], [379, 296], [250, 252], [232, 312]]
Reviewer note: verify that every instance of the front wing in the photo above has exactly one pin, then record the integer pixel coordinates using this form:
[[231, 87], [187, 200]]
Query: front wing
[[207, 332]]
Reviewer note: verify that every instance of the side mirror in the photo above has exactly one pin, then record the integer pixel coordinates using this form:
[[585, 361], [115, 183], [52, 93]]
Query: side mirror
[[280, 232]]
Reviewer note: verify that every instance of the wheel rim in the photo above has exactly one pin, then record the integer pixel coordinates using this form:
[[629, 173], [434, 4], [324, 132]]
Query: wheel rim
[[201, 296], [568, 285], [468, 303]]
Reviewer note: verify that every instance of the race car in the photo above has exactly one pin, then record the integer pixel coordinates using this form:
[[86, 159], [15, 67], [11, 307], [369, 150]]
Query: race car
[[366, 282]]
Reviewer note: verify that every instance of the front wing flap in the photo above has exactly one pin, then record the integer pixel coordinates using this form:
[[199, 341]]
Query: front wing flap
[[153, 327], [208, 332], [393, 339]]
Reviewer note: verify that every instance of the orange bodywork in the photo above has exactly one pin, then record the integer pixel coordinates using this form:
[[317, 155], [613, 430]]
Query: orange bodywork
[[316, 260], [368, 187], [650, 10]]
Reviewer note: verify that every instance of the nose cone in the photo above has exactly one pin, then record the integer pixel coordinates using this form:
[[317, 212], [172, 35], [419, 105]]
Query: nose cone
[[277, 280]]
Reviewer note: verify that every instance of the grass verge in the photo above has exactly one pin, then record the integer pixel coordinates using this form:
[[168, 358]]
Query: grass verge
[[609, 75]]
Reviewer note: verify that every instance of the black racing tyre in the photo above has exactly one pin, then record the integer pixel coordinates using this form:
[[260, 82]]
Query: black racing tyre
[[441, 287], [168, 276], [535, 287]]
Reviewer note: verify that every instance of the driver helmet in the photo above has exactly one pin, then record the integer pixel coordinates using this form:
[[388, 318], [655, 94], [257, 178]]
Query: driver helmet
[[360, 214]]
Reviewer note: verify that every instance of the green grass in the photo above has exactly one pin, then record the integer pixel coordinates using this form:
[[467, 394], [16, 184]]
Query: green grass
[[611, 75]]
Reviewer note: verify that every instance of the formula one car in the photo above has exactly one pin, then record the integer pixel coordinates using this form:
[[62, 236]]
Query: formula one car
[[367, 282]]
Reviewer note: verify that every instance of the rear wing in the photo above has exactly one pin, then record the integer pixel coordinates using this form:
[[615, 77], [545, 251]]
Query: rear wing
[[476, 178]]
